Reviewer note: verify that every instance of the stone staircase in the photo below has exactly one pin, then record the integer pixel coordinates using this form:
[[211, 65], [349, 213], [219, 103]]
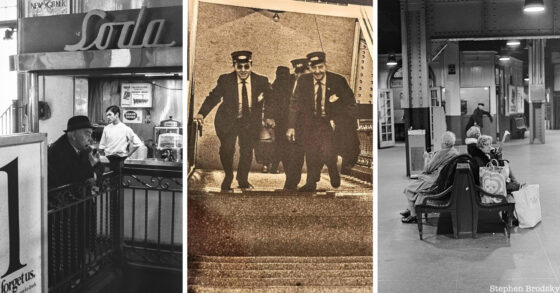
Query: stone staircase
[[267, 240], [280, 274]]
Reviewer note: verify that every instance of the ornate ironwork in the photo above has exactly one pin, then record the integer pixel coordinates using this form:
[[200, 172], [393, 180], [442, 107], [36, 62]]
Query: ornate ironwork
[[80, 241], [152, 182]]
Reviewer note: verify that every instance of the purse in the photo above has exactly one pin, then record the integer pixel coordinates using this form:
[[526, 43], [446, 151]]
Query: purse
[[493, 180]]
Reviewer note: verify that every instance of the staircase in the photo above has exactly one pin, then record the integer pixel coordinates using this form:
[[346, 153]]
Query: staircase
[[267, 240], [281, 274]]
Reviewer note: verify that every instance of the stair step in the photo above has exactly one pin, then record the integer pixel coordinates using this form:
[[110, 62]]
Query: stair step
[[281, 274], [280, 289], [285, 273], [282, 259], [279, 266], [251, 282]]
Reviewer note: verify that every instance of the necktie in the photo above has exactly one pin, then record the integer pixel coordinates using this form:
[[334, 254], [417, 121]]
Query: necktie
[[318, 110], [244, 100]]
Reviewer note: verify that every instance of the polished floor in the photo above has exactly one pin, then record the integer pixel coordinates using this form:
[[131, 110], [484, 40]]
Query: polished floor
[[528, 262]]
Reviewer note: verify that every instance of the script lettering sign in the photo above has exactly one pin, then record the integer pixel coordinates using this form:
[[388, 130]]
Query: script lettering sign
[[128, 33]]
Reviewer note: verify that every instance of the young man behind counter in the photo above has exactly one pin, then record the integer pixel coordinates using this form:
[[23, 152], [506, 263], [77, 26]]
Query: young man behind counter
[[118, 141]]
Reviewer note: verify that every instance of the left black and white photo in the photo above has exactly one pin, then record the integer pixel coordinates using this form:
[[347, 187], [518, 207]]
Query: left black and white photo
[[91, 144]]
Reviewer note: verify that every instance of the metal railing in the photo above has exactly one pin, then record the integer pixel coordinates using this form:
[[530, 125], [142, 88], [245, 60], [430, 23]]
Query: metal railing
[[365, 135], [83, 234], [134, 217], [153, 217], [7, 121]]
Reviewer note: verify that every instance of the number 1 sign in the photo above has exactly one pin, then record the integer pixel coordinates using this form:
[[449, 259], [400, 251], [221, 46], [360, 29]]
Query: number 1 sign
[[23, 198]]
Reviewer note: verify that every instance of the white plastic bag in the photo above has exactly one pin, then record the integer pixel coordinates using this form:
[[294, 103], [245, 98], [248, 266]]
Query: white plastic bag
[[528, 206]]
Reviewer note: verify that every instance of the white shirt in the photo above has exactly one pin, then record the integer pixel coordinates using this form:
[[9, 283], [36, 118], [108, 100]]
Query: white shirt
[[240, 96], [116, 138], [323, 82]]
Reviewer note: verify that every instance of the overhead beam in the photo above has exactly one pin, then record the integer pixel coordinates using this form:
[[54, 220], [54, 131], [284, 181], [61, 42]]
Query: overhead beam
[[476, 19]]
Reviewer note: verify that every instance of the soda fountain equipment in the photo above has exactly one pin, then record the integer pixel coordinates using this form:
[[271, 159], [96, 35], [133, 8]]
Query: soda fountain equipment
[[169, 140]]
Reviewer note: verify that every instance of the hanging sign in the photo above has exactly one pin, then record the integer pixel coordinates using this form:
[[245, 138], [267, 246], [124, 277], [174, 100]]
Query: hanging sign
[[136, 95], [158, 27], [129, 33], [23, 213]]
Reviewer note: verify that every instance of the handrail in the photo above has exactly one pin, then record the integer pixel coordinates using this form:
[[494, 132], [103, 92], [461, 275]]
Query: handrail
[[7, 121], [83, 231]]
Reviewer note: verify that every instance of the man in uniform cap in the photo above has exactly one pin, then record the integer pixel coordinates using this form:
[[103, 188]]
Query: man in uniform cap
[[243, 95], [290, 153], [70, 158], [320, 101], [477, 117]]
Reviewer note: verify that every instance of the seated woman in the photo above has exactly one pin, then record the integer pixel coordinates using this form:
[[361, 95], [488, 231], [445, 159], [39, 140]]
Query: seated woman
[[483, 154], [472, 138], [429, 175]]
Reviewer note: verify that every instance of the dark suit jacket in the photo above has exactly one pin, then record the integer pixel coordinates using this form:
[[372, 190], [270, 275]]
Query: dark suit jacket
[[65, 166], [226, 92], [302, 103], [341, 111], [477, 116]]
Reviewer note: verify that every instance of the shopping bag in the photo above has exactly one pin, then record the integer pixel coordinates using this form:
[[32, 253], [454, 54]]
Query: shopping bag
[[528, 205], [493, 180]]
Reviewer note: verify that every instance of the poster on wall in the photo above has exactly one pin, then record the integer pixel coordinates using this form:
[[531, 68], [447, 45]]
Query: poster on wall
[[132, 116], [512, 100], [520, 99], [47, 7], [23, 220], [136, 95]]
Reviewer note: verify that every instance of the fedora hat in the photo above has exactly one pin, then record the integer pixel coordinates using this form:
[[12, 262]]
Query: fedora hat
[[78, 122]]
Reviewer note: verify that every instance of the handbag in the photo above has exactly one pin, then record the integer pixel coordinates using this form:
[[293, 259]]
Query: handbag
[[528, 205], [493, 180], [264, 147]]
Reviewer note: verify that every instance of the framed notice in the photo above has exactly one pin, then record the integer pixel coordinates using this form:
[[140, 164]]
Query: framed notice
[[47, 7], [136, 95], [23, 213]]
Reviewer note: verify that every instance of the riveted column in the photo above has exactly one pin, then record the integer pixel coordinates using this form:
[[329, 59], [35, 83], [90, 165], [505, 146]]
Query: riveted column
[[415, 69], [537, 95]]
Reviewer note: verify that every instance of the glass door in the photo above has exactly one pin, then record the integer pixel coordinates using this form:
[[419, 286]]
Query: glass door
[[386, 118]]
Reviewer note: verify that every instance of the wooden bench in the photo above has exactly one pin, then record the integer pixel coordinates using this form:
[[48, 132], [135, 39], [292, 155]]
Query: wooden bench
[[461, 198]]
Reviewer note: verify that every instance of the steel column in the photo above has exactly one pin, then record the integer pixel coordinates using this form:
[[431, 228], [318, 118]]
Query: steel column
[[415, 46], [537, 98]]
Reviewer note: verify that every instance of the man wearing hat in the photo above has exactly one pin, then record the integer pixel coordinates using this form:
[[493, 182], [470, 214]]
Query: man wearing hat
[[321, 100], [70, 159], [290, 153], [243, 95], [477, 117]]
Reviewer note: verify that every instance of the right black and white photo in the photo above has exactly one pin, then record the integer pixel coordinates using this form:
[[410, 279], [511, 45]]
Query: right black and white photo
[[467, 100]]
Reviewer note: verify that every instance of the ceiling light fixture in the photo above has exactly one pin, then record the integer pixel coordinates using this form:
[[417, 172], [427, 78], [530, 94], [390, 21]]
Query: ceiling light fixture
[[392, 60], [513, 43], [533, 6]]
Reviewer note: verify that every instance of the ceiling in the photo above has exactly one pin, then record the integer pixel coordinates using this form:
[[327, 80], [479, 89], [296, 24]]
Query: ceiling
[[389, 35]]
